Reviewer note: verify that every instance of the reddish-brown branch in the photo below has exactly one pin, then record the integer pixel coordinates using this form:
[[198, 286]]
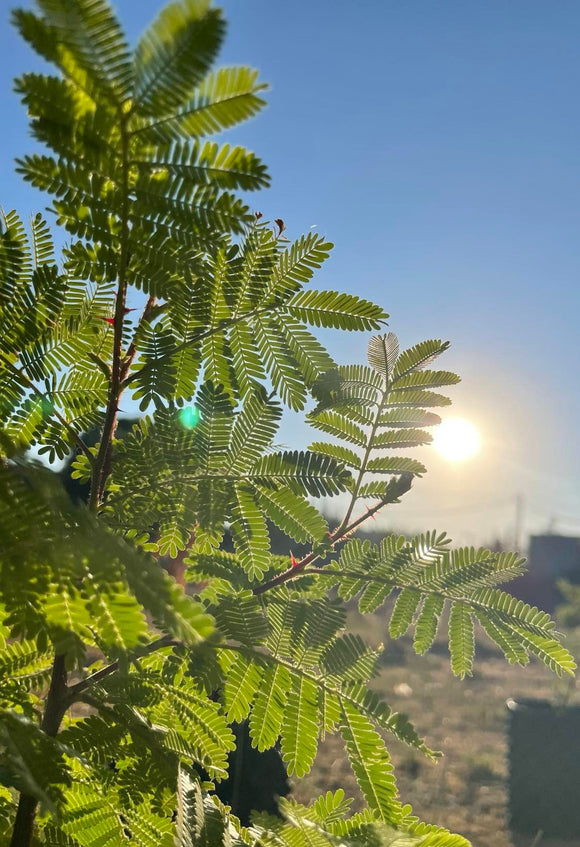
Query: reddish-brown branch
[[341, 533]]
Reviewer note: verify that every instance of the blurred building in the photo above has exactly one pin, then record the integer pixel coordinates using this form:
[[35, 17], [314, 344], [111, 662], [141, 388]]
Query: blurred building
[[550, 558]]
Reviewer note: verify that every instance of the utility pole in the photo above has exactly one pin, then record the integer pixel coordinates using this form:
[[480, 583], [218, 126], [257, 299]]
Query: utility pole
[[519, 521]]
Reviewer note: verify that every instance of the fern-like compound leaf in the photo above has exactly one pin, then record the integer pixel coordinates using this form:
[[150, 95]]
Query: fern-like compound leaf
[[461, 639], [371, 764], [268, 713], [300, 727]]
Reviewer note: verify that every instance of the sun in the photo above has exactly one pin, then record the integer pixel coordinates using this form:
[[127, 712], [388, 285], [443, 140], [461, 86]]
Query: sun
[[456, 440]]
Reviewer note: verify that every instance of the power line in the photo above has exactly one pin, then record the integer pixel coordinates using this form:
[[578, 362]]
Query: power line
[[459, 510]]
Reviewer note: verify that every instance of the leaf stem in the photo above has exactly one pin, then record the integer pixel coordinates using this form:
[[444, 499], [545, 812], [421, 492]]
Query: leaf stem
[[103, 673], [340, 534], [363, 467]]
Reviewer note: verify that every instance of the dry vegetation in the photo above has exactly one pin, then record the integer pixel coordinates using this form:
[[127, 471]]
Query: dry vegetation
[[465, 791]]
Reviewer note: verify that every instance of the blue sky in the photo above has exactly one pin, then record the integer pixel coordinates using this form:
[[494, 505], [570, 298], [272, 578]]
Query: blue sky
[[437, 144]]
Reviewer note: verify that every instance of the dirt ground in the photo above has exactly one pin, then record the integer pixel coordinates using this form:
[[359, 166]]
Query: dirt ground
[[466, 790]]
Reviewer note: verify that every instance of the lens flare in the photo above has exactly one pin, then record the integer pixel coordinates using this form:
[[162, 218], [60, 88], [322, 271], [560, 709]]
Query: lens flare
[[189, 417]]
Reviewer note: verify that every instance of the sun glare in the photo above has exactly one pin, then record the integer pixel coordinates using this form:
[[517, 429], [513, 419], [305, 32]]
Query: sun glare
[[456, 440]]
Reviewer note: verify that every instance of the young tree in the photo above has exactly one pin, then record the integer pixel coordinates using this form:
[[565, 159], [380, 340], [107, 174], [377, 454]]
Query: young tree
[[119, 689]]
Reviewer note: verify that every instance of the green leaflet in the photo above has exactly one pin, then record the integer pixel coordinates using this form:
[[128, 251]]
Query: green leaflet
[[308, 473], [404, 611], [461, 640], [507, 641], [340, 426], [202, 821], [243, 681], [268, 713], [247, 363], [120, 620], [337, 451], [382, 353], [371, 764], [427, 622], [250, 533], [279, 362], [224, 98], [253, 429], [401, 438], [91, 817], [296, 265], [69, 545], [240, 617], [329, 706], [24, 663], [427, 575], [396, 465], [349, 658], [419, 356], [300, 727], [333, 309], [174, 54], [314, 627], [295, 515]]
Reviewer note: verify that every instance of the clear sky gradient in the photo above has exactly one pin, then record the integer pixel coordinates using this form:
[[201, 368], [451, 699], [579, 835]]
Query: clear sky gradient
[[437, 144]]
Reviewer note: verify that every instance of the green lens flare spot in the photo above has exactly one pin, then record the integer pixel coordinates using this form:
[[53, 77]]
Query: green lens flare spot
[[189, 417]]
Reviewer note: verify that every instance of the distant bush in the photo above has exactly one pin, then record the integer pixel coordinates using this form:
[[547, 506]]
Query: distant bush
[[568, 612]]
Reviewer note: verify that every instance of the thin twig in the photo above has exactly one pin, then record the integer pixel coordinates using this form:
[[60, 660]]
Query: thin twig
[[341, 533], [365, 459], [103, 673]]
